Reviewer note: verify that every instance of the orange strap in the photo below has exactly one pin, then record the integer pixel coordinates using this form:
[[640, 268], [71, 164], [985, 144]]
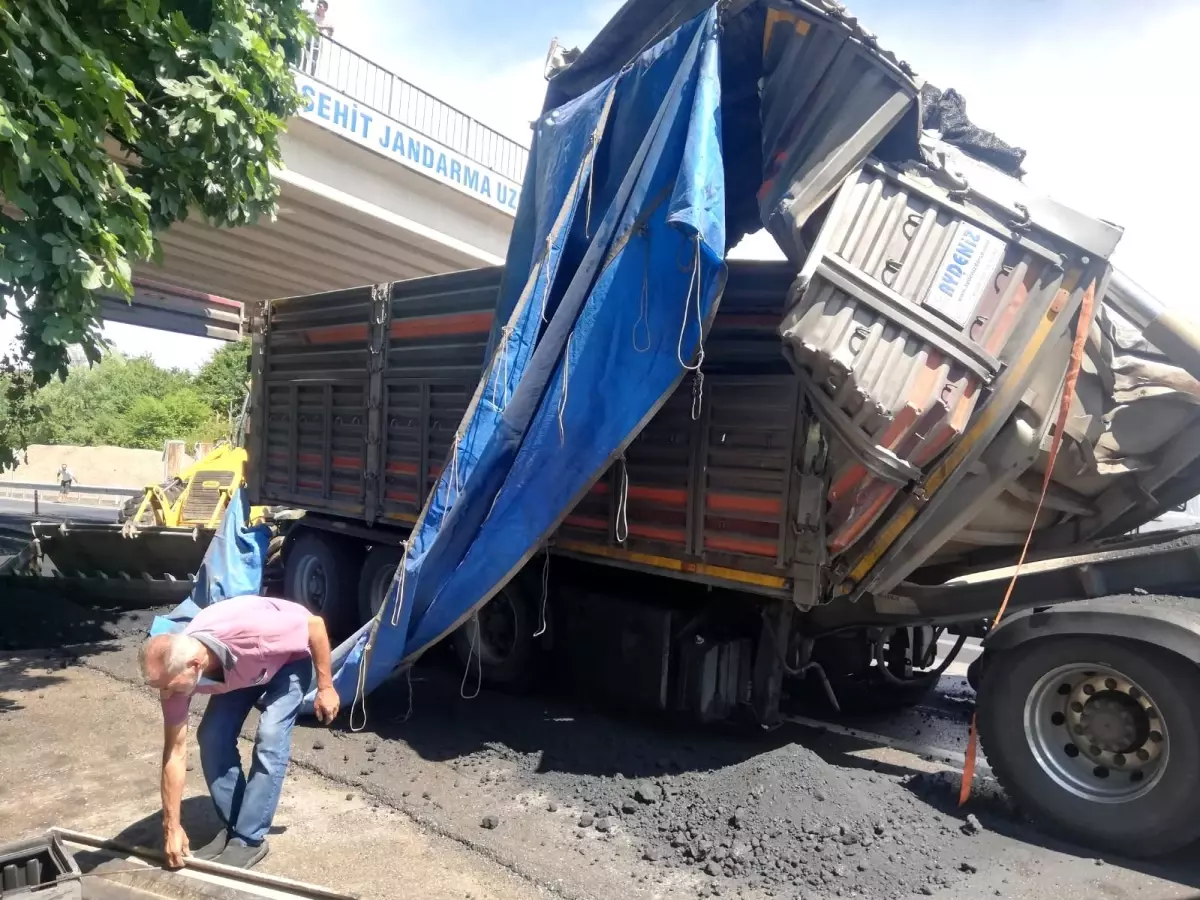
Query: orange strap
[[1064, 410]]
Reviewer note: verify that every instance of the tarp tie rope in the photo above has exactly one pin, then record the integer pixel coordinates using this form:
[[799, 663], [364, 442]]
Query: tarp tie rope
[[401, 574], [504, 365], [1082, 329], [621, 532], [694, 286], [545, 264], [643, 319], [455, 478], [473, 654], [562, 401], [587, 216], [545, 595], [360, 692]]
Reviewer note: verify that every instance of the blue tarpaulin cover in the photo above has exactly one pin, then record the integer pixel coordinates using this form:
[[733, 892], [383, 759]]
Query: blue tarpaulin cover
[[232, 566], [613, 275]]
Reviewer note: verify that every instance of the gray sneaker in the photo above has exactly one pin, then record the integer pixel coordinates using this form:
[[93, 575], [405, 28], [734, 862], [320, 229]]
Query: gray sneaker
[[241, 855], [213, 848]]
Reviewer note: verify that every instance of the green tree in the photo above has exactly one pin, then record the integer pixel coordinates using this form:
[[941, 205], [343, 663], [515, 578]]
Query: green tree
[[19, 411], [118, 118], [89, 406], [221, 382], [151, 421]]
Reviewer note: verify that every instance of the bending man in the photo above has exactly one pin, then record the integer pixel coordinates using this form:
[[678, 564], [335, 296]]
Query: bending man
[[245, 651]]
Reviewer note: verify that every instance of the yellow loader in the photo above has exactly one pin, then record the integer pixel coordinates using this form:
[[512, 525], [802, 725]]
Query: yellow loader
[[151, 554]]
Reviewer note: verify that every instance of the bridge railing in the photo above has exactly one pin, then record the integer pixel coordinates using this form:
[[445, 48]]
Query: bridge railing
[[370, 84]]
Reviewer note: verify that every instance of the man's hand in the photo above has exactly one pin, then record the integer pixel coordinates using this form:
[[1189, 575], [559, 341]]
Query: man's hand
[[326, 705], [175, 846]]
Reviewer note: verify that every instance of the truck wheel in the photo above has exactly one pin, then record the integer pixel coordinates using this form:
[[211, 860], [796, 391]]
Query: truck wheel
[[376, 578], [322, 574], [1098, 737], [502, 634]]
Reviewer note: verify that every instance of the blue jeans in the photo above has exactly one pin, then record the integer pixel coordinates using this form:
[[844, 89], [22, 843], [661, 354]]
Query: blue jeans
[[246, 806]]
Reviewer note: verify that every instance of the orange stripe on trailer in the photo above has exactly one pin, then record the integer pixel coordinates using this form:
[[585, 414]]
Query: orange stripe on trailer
[[346, 462], [401, 496], [335, 334], [442, 326], [402, 468], [770, 506]]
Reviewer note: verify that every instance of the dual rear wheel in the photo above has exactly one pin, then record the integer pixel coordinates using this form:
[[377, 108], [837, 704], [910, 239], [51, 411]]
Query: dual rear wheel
[[347, 585]]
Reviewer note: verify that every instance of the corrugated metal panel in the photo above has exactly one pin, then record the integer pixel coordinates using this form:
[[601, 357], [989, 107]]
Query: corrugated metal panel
[[708, 481], [440, 325], [898, 318], [827, 98], [319, 336], [747, 468]]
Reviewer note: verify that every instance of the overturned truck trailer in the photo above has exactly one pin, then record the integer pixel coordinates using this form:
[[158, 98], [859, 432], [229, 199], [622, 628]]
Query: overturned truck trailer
[[753, 478]]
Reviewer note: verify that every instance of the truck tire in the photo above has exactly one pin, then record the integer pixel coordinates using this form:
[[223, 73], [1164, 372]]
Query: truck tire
[[375, 579], [501, 639], [321, 573], [1097, 737]]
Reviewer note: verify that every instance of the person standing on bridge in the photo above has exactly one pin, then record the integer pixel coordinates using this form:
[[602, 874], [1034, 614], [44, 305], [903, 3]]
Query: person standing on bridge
[[245, 651], [324, 30], [65, 480]]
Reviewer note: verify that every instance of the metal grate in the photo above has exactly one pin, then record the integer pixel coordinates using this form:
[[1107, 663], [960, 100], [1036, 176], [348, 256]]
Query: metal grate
[[204, 495]]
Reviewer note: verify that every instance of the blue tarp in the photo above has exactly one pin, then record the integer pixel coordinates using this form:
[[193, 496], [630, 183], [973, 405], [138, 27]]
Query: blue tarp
[[232, 566], [613, 275]]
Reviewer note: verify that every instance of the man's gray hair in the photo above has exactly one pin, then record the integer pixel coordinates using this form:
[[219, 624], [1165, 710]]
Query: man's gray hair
[[174, 650]]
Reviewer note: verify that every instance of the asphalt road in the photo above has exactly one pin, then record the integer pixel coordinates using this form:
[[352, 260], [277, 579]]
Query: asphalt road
[[49, 510]]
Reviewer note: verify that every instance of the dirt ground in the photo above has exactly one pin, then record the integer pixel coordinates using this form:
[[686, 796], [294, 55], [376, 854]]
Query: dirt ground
[[81, 750], [586, 804]]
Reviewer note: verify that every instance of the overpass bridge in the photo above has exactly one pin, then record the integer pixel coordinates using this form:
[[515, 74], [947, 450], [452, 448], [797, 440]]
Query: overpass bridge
[[381, 181]]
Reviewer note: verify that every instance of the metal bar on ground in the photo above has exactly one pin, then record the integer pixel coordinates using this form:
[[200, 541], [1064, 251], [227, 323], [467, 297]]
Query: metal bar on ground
[[277, 883]]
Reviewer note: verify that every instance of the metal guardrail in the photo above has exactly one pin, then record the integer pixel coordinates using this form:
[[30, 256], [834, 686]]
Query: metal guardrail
[[383, 91], [101, 497], [75, 488]]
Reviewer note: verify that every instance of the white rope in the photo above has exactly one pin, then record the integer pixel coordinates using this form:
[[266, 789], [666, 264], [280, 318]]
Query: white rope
[[622, 528], [587, 220], [503, 364], [473, 653], [546, 290], [545, 596], [455, 478], [399, 577], [360, 690], [562, 401], [694, 284]]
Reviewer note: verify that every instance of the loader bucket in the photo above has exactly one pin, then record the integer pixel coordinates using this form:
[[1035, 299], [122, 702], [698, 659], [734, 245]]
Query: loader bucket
[[113, 564]]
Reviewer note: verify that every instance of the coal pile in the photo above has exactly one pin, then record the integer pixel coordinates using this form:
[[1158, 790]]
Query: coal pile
[[790, 824]]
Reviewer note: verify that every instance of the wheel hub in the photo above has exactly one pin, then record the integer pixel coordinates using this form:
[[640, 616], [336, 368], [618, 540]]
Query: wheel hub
[[1096, 733], [1112, 722]]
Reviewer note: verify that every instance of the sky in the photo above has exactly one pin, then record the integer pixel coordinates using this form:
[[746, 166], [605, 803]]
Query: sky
[[1099, 92]]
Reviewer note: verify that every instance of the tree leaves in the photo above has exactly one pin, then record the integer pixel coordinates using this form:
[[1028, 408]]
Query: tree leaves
[[194, 92]]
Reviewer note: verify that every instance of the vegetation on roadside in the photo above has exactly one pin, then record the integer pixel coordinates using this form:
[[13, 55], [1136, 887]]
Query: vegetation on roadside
[[117, 120], [127, 402]]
